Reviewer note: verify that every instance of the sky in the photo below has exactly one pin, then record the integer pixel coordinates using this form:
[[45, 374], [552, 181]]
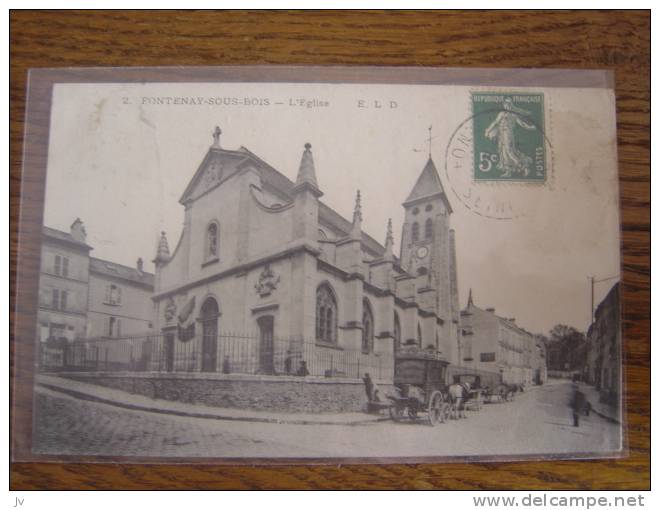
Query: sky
[[120, 156]]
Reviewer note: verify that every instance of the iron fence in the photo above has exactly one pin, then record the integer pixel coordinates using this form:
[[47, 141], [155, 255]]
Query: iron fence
[[228, 353]]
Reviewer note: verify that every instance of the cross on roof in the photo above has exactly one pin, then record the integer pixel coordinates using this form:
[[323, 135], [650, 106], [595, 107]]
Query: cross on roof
[[431, 137]]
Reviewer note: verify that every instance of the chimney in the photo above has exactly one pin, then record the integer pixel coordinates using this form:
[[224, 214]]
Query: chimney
[[491, 310], [77, 230], [140, 265]]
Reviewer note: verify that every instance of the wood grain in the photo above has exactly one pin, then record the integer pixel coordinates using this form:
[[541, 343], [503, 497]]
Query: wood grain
[[605, 40]]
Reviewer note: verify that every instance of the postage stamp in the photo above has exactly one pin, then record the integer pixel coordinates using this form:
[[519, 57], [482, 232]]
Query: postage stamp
[[509, 139]]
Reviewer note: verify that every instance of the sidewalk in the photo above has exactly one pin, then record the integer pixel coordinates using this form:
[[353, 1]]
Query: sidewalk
[[606, 411], [94, 393]]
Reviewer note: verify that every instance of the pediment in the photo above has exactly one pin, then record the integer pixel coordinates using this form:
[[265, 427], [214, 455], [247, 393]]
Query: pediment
[[216, 167]]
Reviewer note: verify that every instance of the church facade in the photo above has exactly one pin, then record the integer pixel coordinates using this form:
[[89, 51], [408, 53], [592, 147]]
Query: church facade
[[268, 279]]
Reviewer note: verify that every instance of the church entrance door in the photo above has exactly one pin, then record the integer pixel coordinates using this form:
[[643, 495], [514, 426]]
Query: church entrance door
[[266, 345], [209, 319]]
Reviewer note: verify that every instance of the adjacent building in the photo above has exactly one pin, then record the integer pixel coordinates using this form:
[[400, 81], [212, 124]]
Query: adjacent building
[[539, 363], [268, 279], [497, 344], [604, 342], [82, 297], [119, 301], [63, 284]]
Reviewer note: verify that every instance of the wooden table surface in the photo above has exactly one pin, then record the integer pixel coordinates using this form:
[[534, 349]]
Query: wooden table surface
[[603, 40]]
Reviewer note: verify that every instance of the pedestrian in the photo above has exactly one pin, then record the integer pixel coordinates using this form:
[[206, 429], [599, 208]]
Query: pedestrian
[[302, 369], [288, 362], [577, 404]]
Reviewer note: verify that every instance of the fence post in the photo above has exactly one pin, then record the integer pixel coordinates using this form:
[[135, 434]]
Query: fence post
[[380, 376], [358, 366]]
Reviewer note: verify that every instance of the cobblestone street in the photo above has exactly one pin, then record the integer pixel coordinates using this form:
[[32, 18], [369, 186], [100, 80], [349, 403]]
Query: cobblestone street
[[538, 421]]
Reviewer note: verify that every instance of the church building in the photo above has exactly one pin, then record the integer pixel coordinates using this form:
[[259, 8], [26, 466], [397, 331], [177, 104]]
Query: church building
[[266, 278]]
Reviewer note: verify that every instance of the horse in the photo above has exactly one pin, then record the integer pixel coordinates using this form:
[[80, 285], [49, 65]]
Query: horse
[[459, 393], [507, 391]]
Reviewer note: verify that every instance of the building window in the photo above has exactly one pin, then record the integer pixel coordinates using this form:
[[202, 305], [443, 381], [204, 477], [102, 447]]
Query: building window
[[428, 229], [428, 208], [367, 327], [415, 232], [422, 271], [397, 332], [57, 331], [59, 301], [113, 295], [326, 315], [212, 241], [114, 327], [61, 266], [486, 357]]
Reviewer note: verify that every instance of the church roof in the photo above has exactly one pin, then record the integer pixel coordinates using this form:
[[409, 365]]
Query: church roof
[[282, 185], [428, 185]]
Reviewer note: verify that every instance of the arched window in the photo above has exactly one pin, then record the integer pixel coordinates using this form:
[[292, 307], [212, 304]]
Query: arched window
[[367, 327], [326, 314], [212, 240], [428, 228], [419, 335], [415, 232], [397, 332]]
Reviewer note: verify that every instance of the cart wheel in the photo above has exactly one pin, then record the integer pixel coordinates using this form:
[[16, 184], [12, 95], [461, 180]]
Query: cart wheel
[[396, 413], [446, 411], [436, 409]]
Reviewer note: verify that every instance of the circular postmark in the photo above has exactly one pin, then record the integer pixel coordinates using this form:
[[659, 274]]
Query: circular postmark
[[498, 161]]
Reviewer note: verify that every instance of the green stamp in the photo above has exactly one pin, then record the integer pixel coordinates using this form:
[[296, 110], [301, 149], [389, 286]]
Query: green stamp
[[509, 139]]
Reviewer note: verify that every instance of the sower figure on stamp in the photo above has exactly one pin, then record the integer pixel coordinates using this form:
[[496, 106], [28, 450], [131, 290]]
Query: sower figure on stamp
[[510, 158]]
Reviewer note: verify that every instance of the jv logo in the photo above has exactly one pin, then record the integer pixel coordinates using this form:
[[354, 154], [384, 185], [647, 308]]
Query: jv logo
[[19, 502]]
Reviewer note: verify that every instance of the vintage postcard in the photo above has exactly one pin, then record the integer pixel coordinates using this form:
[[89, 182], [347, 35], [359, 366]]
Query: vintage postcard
[[309, 269]]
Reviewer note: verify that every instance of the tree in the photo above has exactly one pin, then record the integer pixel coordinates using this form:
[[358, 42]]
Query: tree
[[567, 348]]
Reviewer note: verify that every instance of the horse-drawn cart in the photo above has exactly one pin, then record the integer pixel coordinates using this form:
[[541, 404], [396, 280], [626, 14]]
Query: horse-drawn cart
[[419, 379]]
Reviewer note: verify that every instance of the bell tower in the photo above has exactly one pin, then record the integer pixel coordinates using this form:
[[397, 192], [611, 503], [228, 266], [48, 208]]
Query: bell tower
[[426, 226], [427, 253]]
